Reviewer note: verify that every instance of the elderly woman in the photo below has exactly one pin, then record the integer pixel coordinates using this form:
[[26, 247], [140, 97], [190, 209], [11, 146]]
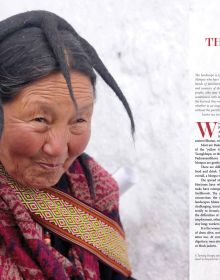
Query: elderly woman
[[58, 207]]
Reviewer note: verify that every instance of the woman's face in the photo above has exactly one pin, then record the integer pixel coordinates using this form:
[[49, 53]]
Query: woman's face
[[43, 134]]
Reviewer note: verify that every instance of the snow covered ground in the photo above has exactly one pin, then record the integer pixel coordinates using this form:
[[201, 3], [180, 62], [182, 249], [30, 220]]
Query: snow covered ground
[[144, 43]]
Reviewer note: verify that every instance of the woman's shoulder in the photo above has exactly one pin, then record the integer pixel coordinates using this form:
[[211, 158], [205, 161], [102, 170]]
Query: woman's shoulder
[[105, 188]]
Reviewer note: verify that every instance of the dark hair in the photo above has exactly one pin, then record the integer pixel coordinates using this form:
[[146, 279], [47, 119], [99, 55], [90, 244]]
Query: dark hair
[[26, 56], [36, 43]]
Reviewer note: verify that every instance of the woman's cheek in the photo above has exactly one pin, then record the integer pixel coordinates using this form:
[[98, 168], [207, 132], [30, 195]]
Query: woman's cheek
[[24, 141], [78, 144], [76, 147]]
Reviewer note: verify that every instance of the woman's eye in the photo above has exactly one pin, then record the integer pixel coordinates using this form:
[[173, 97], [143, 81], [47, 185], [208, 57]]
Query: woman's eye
[[40, 119], [80, 120], [79, 126]]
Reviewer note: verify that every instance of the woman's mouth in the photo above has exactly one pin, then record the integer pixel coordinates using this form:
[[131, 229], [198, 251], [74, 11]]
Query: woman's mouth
[[50, 166]]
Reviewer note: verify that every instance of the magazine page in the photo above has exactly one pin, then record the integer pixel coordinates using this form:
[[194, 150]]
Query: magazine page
[[144, 45], [205, 141]]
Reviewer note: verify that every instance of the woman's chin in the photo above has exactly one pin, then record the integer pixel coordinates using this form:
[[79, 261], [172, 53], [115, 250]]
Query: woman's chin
[[39, 183]]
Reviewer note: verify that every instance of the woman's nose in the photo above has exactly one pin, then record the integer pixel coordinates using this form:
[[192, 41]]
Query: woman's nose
[[56, 144]]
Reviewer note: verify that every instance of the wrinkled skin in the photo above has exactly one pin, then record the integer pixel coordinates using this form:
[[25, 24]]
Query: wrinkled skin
[[43, 134]]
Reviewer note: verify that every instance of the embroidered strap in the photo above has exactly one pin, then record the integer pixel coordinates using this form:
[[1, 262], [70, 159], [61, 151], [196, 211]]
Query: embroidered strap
[[76, 222]]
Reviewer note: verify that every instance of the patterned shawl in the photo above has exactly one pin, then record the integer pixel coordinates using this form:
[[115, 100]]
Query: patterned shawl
[[23, 253]]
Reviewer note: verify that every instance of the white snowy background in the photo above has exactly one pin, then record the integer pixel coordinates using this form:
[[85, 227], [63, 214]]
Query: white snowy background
[[144, 43]]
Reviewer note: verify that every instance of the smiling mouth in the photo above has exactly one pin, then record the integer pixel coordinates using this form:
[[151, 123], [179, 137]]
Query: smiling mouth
[[50, 166]]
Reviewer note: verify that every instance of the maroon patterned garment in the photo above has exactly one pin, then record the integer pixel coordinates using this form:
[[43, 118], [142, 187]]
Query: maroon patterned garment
[[23, 253]]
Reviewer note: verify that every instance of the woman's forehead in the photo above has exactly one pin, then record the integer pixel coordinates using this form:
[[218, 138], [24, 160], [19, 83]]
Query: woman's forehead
[[56, 81], [50, 94], [54, 86]]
